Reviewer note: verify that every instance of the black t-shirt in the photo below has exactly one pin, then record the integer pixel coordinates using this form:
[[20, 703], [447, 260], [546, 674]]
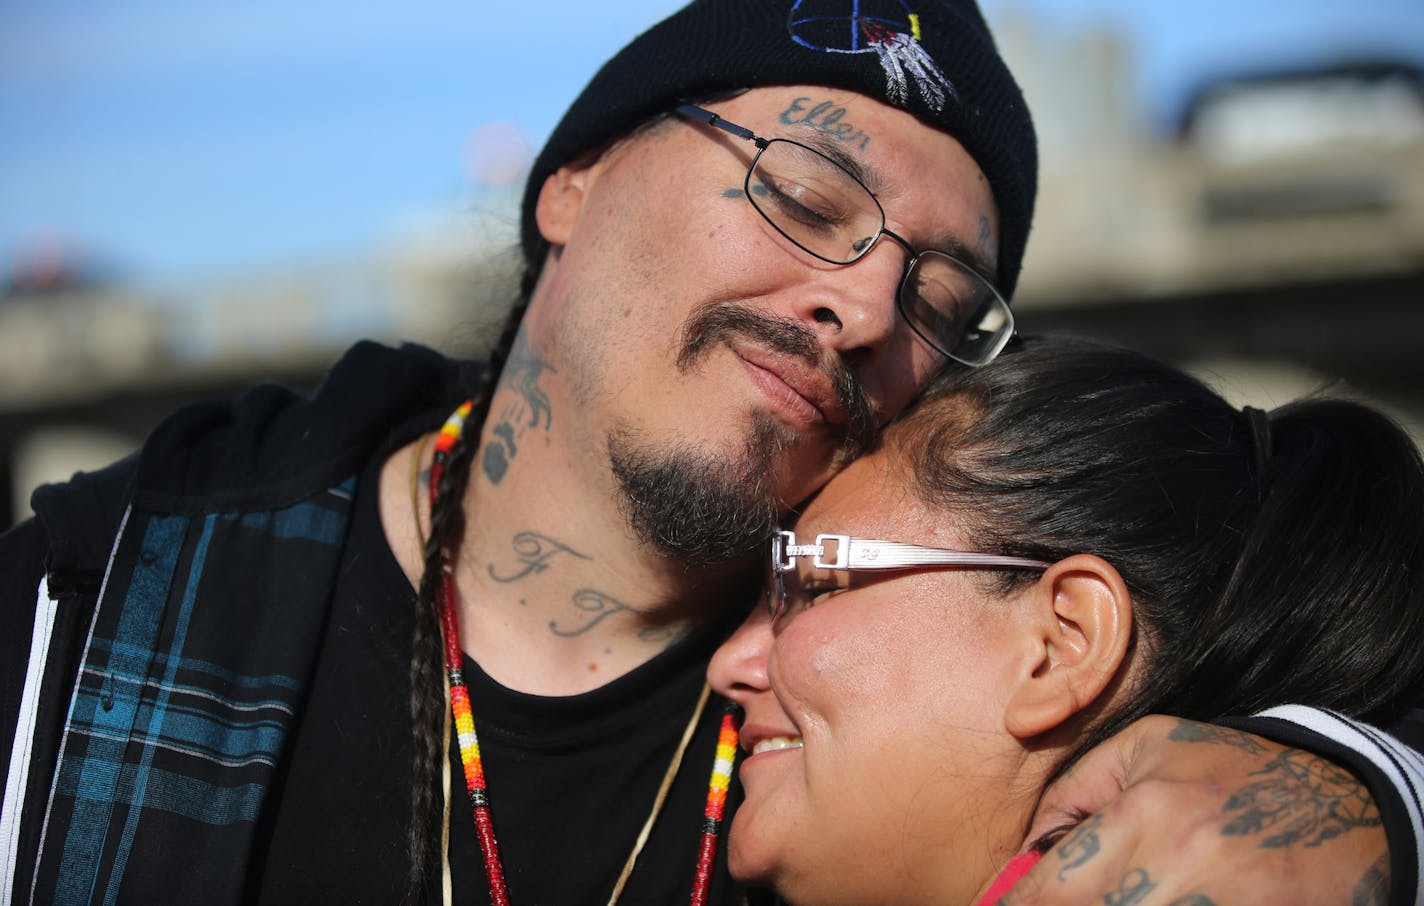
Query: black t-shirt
[[571, 779]]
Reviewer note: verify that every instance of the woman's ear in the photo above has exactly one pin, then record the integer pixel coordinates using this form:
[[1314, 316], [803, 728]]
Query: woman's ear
[[561, 198], [1081, 627]]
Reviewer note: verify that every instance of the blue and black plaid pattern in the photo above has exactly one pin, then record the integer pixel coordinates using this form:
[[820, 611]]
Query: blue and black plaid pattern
[[193, 677]]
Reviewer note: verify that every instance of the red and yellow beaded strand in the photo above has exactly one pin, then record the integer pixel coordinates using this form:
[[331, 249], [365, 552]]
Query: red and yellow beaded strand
[[716, 804], [469, 743], [459, 695]]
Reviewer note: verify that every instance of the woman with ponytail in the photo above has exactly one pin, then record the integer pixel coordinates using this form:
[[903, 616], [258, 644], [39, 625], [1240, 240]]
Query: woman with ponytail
[[1135, 546]]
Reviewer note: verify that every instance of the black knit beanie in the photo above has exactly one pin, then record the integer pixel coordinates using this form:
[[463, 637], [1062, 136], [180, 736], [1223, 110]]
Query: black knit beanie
[[932, 58]]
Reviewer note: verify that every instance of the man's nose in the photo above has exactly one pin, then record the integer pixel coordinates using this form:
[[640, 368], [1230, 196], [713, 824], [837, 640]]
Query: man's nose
[[852, 307]]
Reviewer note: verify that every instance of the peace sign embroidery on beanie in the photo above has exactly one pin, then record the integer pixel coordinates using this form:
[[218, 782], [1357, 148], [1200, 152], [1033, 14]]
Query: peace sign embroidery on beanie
[[887, 28]]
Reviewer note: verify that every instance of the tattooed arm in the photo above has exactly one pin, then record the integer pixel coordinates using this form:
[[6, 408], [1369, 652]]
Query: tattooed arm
[[1189, 814], [1392, 766]]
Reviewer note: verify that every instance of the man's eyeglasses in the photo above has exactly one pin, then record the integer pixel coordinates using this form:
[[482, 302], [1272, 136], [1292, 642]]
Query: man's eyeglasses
[[827, 211], [793, 592]]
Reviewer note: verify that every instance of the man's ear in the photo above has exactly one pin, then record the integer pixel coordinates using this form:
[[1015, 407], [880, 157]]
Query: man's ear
[[1081, 627], [561, 198]]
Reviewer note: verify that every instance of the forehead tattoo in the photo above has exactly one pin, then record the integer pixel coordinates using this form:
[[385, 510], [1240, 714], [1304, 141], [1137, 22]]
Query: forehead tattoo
[[827, 117], [986, 249], [826, 126]]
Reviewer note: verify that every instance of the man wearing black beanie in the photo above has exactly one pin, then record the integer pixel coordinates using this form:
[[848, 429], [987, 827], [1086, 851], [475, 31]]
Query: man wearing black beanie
[[266, 650]]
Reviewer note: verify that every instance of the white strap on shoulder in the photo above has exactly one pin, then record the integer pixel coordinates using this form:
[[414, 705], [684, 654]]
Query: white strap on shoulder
[[23, 744], [1403, 766]]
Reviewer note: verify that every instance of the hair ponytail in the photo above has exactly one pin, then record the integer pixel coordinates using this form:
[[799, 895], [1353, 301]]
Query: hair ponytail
[[1326, 604]]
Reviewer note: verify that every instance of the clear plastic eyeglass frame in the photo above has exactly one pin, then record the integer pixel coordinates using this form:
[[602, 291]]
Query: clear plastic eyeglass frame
[[843, 552]]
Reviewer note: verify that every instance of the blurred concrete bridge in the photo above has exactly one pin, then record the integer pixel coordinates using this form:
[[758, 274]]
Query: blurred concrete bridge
[[1276, 244]]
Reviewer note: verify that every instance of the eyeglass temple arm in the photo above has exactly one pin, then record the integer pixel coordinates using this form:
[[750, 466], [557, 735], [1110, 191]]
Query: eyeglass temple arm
[[858, 553], [862, 553], [712, 119]]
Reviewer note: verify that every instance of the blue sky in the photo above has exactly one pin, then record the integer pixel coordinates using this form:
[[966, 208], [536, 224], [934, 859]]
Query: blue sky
[[174, 139]]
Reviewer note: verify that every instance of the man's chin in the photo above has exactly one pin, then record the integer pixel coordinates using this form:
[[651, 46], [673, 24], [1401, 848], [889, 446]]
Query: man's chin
[[701, 507]]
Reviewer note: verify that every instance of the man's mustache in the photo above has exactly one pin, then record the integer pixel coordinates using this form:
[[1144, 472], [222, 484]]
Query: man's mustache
[[717, 322]]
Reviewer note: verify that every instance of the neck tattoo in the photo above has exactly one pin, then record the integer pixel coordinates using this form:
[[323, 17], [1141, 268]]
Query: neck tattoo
[[475, 782]]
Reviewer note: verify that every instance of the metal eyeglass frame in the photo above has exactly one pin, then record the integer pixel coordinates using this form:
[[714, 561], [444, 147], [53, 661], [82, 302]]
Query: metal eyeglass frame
[[1004, 337], [852, 554]]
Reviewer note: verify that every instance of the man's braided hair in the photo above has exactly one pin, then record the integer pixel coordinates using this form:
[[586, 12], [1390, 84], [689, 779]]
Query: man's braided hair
[[427, 685]]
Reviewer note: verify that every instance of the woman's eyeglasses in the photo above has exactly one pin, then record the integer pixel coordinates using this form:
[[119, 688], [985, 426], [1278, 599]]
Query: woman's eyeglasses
[[792, 592]]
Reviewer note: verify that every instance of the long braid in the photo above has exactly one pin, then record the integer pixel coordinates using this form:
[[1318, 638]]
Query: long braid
[[427, 688], [447, 523]]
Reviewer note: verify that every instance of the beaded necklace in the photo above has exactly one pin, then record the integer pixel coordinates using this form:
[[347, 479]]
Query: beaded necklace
[[475, 783]]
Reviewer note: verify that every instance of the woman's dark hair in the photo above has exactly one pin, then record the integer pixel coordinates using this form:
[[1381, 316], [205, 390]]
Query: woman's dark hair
[[1280, 564]]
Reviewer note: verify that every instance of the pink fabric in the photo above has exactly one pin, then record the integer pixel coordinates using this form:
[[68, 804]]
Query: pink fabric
[[1018, 867]]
